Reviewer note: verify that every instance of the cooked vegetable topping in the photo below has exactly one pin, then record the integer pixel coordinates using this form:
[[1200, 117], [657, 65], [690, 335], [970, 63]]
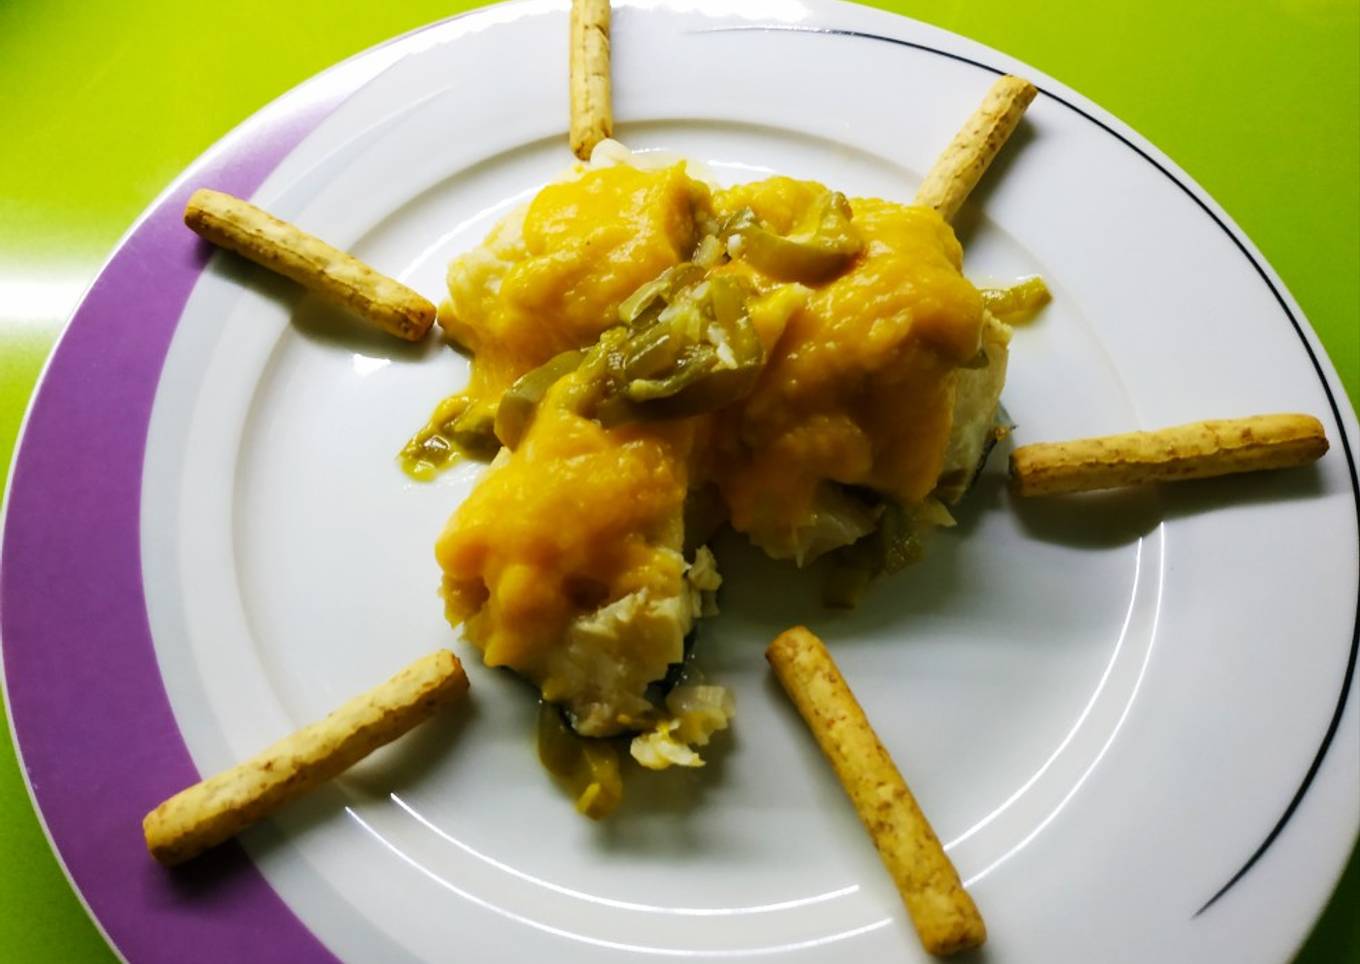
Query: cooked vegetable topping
[[454, 429], [660, 289], [588, 769], [809, 369], [822, 243], [890, 548], [696, 712], [518, 404], [690, 347], [1019, 302], [550, 279]]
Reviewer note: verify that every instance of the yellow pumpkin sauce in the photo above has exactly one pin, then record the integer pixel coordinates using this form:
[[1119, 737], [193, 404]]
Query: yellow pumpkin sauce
[[577, 517], [550, 278], [859, 388]]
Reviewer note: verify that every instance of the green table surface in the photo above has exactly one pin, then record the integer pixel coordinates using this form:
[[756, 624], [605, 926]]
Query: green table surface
[[102, 104]]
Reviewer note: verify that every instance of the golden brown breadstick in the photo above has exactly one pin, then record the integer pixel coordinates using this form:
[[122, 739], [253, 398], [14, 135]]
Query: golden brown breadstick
[[944, 914], [340, 278], [219, 807], [592, 114], [956, 172], [1195, 451]]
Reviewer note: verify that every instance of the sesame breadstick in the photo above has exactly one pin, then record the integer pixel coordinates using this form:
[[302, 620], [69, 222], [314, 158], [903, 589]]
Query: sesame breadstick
[[1195, 451], [221, 806], [340, 278], [957, 171], [592, 114], [942, 911]]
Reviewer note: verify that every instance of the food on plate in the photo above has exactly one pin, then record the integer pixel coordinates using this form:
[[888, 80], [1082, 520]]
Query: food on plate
[[566, 562], [587, 769], [957, 171], [1018, 302], [592, 115], [339, 278], [1196, 451], [944, 914], [653, 356], [811, 369], [549, 279], [221, 806]]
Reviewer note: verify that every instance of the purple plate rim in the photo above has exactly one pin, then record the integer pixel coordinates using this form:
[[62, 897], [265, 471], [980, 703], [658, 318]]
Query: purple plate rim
[[102, 376], [80, 659]]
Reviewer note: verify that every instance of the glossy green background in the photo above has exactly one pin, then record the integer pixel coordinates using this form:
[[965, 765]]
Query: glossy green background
[[102, 104]]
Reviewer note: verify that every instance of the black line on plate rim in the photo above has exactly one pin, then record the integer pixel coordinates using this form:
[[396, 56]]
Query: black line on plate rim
[[1349, 675]]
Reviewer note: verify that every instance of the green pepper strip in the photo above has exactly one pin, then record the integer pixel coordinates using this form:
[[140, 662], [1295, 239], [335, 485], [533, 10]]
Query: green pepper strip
[[1019, 301], [890, 548], [519, 403], [454, 429], [823, 246]]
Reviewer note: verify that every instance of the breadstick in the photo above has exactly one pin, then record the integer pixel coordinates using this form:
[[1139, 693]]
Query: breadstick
[[957, 171], [592, 114], [340, 278], [945, 917], [1195, 451], [221, 806]]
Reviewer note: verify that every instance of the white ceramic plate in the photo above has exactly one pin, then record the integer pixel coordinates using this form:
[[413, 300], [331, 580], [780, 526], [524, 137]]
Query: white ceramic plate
[[1113, 709]]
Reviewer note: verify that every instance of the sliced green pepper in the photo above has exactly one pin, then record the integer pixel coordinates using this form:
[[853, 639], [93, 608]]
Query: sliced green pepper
[[687, 351], [651, 351], [661, 288], [891, 547], [700, 387], [821, 246], [474, 433], [1019, 302], [454, 429], [695, 363], [520, 401]]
